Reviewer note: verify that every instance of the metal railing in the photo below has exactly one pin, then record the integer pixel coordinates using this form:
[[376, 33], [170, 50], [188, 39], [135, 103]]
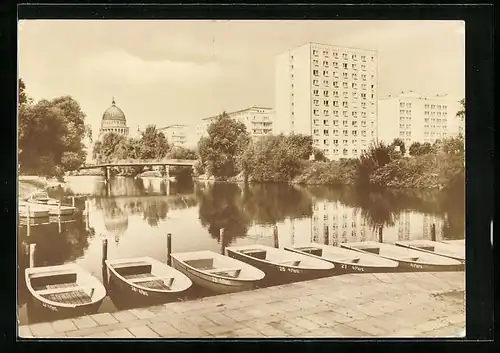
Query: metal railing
[[142, 162]]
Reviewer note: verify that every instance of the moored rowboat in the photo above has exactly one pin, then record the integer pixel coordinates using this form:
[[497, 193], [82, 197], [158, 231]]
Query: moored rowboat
[[408, 259], [460, 242], [346, 260], [147, 277], [66, 289], [34, 211], [53, 206], [217, 272], [452, 251], [279, 264]]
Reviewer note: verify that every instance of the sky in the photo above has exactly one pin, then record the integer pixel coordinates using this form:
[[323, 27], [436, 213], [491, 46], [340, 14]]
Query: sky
[[178, 72]]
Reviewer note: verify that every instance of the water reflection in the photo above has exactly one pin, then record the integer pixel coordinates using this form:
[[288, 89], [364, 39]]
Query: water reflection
[[136, 214]]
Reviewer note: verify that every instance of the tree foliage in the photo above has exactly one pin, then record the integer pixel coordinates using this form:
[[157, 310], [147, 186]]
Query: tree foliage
[[377, 155], [279, 158], [399, 143], [51, 135], [420, 149], [219, 151], [153, 144]]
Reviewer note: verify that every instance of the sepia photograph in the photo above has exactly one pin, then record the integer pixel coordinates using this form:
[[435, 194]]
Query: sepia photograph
[[241, 179]]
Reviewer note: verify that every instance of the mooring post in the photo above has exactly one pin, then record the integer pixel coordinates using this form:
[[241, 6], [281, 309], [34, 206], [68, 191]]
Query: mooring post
[[221, 239], [28, 222], [433, 232], [276, 238], [326, 238], [59, 227], [380, 237], [72, 201], [104, 258], [167, 186], [32, 255], [169, 249], [59, 209]]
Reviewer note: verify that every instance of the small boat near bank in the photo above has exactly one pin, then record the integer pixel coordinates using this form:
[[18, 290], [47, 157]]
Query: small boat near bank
[[452, 251], [65, 289], [217, 272], [147, 277], [346, 260], [408, 259], [460, 242], [53, 206], [27, 210], [279, 264]]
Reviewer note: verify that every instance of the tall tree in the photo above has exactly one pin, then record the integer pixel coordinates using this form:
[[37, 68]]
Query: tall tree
[[23, 98], [220, 149], [153, 144], [461, 112]]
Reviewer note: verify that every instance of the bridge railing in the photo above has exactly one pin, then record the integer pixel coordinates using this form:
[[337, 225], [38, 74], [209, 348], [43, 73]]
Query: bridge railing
[[142, 161]]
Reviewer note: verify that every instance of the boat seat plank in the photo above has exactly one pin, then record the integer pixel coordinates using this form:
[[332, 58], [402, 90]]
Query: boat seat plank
[[353, 260], [290, 262], [409, 258], [62, 290], [219, 270], [152, 278]]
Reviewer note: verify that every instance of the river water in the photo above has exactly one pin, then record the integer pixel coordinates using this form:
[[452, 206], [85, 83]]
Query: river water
[[136, 214]]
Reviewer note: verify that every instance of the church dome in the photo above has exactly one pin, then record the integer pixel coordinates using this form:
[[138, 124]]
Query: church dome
[[114, 113]]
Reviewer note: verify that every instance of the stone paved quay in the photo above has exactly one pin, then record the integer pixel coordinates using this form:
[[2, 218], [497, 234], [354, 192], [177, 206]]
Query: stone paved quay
[[355, 306]]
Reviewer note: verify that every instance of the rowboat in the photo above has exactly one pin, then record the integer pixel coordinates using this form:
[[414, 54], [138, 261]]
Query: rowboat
[[408, 259], [460, 242], [452, 251], [346, 260], [34, 210], [65, 289], [147, 277], [217, 272], [53, 206], [279, 264]]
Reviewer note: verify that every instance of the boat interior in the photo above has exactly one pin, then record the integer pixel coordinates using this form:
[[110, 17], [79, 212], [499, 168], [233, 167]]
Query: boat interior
[[224, 267], [443, 249], [400, 254], [142, 274], [330, 255], [62, 288], [211, 266]]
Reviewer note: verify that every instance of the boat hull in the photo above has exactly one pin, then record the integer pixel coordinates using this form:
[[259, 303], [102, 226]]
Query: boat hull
[[414, 266], [23, 212], [450, 256], [129, 290], [54, 210], [280, 273], [63, 311], [213, 283], [344, 268], [423, 267]]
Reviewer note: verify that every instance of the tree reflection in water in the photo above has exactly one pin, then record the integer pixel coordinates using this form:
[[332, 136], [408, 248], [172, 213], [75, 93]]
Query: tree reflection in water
[[270, 204], [221, 207]]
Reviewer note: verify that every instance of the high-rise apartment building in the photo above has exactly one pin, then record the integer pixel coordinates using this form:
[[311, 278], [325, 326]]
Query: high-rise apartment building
[[176, 134], [413, 117], [259, 121], [330, 93]]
